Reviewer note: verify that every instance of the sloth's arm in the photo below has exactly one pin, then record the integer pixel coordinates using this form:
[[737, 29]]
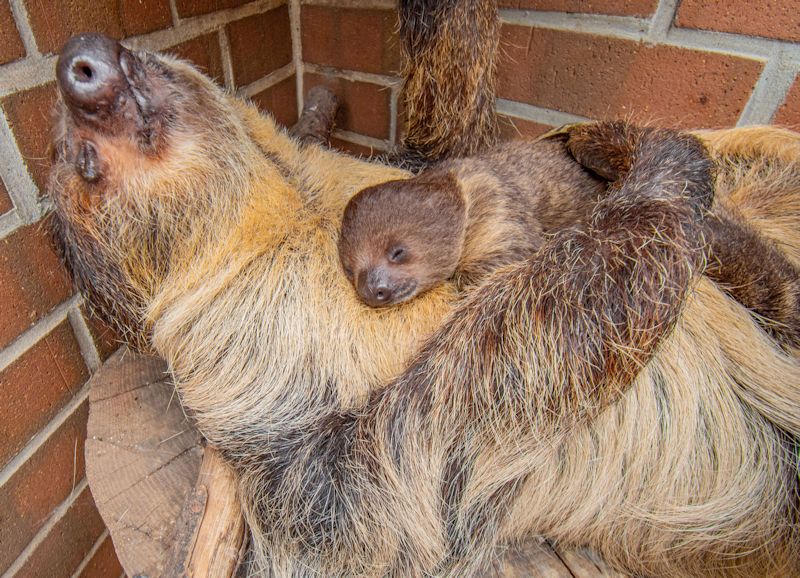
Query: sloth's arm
[[571, 327], [748, 266]]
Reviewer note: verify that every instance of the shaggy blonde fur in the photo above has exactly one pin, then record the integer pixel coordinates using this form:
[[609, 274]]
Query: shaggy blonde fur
[[669, 452]]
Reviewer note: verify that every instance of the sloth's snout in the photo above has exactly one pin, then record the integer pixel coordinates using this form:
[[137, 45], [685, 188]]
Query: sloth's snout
[[90, 73]]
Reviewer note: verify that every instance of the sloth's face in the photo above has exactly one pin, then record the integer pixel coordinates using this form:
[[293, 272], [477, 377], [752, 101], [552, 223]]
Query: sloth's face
[[399, 239], [136, 125], [388, 273], [150, 157]]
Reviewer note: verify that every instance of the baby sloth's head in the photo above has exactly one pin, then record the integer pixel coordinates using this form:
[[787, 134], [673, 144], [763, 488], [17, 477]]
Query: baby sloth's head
[[401, 238]]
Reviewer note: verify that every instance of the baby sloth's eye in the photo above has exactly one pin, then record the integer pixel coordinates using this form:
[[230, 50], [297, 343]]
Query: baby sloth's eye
[[398, 255]]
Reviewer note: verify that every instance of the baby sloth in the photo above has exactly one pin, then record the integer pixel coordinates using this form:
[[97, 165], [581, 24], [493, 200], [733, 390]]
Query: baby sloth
[[461, 219]]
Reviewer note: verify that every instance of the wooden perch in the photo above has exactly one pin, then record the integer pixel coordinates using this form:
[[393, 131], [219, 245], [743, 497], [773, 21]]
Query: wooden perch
[[317, 119], [143, 458], [209, 536]]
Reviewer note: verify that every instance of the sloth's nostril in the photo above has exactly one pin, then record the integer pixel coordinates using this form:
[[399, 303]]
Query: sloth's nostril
[[83, 72]]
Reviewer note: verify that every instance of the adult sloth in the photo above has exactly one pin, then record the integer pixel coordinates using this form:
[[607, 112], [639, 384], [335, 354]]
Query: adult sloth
[[585, 394]]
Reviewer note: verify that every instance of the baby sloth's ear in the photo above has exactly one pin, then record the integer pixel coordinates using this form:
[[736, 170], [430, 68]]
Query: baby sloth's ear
[[444, 194]]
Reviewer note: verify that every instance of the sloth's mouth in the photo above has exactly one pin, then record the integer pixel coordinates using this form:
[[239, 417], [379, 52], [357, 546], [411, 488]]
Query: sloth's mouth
[[400, 294], [106, 93], [404, 292]]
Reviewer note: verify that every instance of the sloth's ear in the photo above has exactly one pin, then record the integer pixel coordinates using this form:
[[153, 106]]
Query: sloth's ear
[[445, 193]]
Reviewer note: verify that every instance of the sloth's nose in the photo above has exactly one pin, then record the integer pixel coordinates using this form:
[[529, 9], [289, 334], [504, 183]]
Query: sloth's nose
[[89, 73], [381, 294], [375, 287]]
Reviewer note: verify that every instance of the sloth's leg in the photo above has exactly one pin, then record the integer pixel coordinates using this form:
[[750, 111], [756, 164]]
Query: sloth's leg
[[448, 98], [755, 273]]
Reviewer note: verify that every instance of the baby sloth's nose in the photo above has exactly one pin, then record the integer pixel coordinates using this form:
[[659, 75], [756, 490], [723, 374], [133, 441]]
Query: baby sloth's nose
[[375, 287], [381, 294], [89, 73]]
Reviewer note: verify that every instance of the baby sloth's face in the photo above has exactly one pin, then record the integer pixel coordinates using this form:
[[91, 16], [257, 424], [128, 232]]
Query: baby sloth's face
[[401, 238], [386, 274]]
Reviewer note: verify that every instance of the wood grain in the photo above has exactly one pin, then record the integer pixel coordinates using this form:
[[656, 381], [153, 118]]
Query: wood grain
[[142, 458]]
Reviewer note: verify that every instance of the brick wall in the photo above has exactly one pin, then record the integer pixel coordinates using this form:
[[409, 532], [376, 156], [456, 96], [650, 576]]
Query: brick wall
[[688, 63], [684, 64], [49, 344]]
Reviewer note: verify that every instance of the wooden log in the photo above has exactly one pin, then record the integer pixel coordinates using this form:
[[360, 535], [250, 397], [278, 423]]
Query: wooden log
[[142, 458], [209, 540]]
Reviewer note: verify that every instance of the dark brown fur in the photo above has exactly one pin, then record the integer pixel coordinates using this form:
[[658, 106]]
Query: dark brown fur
[[756, 273], [449, 49], [750, 267]]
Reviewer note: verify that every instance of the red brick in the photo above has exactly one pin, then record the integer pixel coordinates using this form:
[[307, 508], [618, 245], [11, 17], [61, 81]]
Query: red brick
[[65, 547], [54, 21], [515, 128], [5, 201], [40, 485], [616, 7], [352, 148], [32, 280], [364, 107], [280, 101], [260, 44], [196, 7], [30, 116], [604, 77], [104, 563], [105, 337], [204, 52], [11, 47], [771, 18], [36, 386], [353, 39], [789, 113]]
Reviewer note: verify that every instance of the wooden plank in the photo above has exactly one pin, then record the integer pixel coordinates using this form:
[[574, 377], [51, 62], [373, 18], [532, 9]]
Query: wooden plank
[[124, 371], [142, 458], [209, 541], [218, 548]]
